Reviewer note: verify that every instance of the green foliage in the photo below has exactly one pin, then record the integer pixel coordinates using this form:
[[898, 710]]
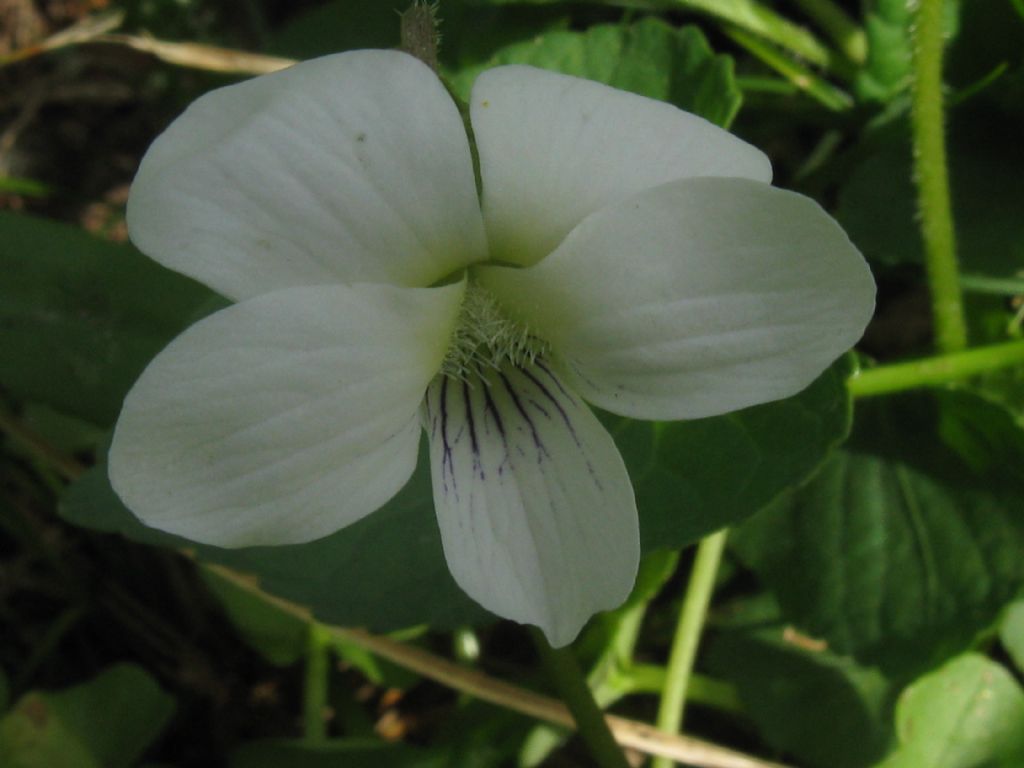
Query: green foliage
[[107, 722], [968, 714], [887, 69], [877, 203], [908, 541], [649, 57], [386, 572], [692, 478], [81, 317], [823, 708], [1011, 633], [279, 636]]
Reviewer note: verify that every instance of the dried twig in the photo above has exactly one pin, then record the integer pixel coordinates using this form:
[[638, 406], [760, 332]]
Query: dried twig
[[100, 29], [629, 733]]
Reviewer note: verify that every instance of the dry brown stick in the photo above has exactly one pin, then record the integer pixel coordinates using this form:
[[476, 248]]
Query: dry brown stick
[[629, 733], [100, 29], [210, 58], [83, 31]]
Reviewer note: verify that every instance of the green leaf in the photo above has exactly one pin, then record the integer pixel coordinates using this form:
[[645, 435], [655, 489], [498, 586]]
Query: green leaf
[[280, 637], [820, 707], [107, 722], [649, 57], [385, 572], [80, 317], [907, 543], [1011, 633], [332, 754], [969, 714], [695, 477]]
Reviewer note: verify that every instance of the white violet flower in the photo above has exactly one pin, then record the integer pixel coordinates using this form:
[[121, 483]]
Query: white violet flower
[[622, 252]]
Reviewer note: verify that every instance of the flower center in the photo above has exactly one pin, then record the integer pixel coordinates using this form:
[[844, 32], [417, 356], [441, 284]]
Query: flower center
[[486, 338]]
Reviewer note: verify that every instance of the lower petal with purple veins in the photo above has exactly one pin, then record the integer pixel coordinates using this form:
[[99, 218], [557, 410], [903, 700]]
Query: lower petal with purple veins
[[536, 510]]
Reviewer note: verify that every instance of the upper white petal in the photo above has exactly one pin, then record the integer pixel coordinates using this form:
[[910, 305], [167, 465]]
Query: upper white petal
[[348, 168], [695, 298], [536, 511], [554, 148], [285, 417]]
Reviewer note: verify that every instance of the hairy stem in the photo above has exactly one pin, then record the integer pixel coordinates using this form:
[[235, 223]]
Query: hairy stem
[[932, 176]]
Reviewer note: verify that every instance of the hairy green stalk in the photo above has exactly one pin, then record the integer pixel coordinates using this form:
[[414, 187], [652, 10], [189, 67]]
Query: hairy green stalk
[[932, 177]]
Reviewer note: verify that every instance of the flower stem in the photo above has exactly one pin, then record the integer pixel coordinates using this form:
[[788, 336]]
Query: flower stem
[[314, 703], [941, 369], [844, 31], [567, 676], [687, 636], [932, 176]]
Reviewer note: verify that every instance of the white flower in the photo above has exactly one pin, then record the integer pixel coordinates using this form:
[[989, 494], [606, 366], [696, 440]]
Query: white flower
[[622, 252]]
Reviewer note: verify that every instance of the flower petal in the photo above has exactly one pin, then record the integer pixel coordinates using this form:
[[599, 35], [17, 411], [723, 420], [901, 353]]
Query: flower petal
[[695, 298], [349, 168], [285, 417], [555, 148], [536, 511]]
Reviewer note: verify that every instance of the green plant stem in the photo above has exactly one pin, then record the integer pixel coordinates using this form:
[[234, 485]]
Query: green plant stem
[[932, 176], [704, 690], [565, 672], [941, 369], [767, 24], [687, 635], [995, 286], [845, 33], [314, 701], [802, 77]]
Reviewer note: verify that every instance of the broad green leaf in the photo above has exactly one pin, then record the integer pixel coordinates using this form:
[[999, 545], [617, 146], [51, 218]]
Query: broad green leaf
[[385, 572], [388, 570], [280, 637], [107, 722], [1011, 633], [649, 57], [968, 714], [822, 708], [694, 477], [348, 753], [80, 317], [908, 541]]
